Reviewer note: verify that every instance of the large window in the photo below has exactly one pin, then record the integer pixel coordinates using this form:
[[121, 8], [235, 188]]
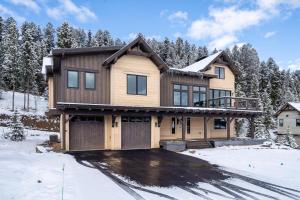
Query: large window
[[281, 122], [297, 122], [90, 80], [73, 79], [220, 72], [215, 94], [136, 84], [199, 96], [180, 95], [220, 124]]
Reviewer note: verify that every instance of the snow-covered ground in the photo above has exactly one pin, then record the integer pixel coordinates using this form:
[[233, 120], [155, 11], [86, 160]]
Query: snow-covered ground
[[279, 165], [37, 104], [21, 170]]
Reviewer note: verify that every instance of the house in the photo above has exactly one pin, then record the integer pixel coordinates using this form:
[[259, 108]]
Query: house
[[126, 97], [289, 118]]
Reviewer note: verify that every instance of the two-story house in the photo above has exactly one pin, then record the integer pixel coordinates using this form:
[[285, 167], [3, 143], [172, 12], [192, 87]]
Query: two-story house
[[128, 98]]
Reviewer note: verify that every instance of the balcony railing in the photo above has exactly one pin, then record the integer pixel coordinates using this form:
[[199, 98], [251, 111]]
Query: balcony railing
[[239, 103]]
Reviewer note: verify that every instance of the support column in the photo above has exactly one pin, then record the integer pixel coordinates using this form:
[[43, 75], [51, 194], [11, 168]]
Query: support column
[[63, 131], [205, 128], [183, 127], [228, 128], [252, 127]]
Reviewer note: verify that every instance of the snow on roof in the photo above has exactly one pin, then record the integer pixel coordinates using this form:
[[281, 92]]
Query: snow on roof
[[46, 62], [198, 66], [295, 105]]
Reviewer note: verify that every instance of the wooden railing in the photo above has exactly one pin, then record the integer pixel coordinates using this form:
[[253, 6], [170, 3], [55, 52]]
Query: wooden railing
[[240, 103]]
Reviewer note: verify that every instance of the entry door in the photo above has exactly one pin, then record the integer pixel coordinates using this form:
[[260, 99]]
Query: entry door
[[86, 133], [136, 132]]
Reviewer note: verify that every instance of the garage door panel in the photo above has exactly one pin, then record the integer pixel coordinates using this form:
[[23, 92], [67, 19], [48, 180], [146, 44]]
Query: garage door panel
[[136, 133], [86, 135]]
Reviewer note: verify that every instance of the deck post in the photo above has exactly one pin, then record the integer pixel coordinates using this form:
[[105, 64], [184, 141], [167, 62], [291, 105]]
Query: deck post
[[228, 128], [205, 128], [252, 127], [63, 129], [183, 127]]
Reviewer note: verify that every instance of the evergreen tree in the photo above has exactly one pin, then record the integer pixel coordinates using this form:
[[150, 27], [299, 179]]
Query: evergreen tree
[[10, 57], [78, 38], [16, 132], [64, 36], [89, 39], [2, 85], [49, 32], [275, 82]]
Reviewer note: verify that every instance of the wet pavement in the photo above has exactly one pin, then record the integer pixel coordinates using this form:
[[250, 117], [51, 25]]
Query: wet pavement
[[135, 170], [155, 167]]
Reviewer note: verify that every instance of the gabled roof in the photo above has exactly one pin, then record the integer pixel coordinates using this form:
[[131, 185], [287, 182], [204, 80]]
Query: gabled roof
[[205, 63], [85, 50], [294, 105], [146, 51]]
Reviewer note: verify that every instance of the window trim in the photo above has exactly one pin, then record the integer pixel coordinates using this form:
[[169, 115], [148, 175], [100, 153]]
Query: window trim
[[136, 84], [297, 122], [280, 122], [218, 74], [78, 78], [85, 80], [181, 91], [199, 94]]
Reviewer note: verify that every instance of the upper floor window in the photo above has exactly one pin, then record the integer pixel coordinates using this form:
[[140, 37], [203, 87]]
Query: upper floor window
[[199, 96], [297, 122], [90, 80], [73, 79], [216, 94], [280, 122], [220, 124], [180, 95], [136, 84], [220, 72]]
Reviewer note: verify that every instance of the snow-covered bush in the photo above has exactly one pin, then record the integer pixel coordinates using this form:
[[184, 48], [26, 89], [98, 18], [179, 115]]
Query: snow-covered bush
[[16, 132], [287, 140]]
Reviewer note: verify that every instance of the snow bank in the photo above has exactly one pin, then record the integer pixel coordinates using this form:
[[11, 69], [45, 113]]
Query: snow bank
[[6, 104]]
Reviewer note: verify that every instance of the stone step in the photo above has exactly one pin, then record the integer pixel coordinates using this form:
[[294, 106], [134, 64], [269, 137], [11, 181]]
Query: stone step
[[201, 144]]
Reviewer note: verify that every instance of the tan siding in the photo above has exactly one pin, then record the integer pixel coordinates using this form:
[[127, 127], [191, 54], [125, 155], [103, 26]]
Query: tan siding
[[50, 93], [155, 133], [108, 131], [116, 134], [138, 65], [289, 122], [197, 128], [219, 133]]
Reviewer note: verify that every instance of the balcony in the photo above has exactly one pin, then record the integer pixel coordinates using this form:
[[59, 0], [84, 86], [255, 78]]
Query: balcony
[[238, 103]]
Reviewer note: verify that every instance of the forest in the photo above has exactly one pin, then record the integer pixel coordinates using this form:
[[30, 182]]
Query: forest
[[23, 46]]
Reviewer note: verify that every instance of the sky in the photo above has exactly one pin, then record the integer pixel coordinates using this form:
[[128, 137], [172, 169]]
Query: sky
[[271, 26]]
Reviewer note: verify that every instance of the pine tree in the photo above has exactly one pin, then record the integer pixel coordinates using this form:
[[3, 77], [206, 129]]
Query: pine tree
[[16, 132], [2, 84], [275, 82], [268, 119], [64, 36], [49, 32], [78, 38], [89, 39], [10, 60]]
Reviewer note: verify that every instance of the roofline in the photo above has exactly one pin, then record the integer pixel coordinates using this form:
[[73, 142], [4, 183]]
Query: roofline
[[74, 51], [280, 110], [189, 73]]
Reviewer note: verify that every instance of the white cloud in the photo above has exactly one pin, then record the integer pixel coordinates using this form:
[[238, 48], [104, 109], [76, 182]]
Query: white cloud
[[179, 16], [177, 34], [227, 22], [5, 12], [68, 7], [27, 3], [222, 42], [269, 34], [294, 65]]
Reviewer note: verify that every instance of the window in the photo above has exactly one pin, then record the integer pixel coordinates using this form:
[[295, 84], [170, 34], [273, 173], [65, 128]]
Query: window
[[220, 72], [73, 79], [280, 122], [220, 124], [214, 94], [199, 96], [136, 84], [188, 125], [180, 95], [297, 122], [90, 80], [173, 125]]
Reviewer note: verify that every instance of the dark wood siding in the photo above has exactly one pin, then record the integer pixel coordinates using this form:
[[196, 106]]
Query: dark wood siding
[[84, 63], [166, 86]]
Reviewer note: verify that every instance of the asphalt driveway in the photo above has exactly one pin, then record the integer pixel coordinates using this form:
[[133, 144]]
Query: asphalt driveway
[[137, 170]]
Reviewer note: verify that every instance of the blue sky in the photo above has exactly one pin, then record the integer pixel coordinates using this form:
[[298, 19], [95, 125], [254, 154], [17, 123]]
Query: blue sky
[[271, 26]]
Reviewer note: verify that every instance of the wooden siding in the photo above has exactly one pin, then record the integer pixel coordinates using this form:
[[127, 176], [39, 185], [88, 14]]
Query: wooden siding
[[84, 63], [166, 90]]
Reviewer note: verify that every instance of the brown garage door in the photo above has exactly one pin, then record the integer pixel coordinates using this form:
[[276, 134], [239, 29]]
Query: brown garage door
[[136, 132], [86, 133]]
